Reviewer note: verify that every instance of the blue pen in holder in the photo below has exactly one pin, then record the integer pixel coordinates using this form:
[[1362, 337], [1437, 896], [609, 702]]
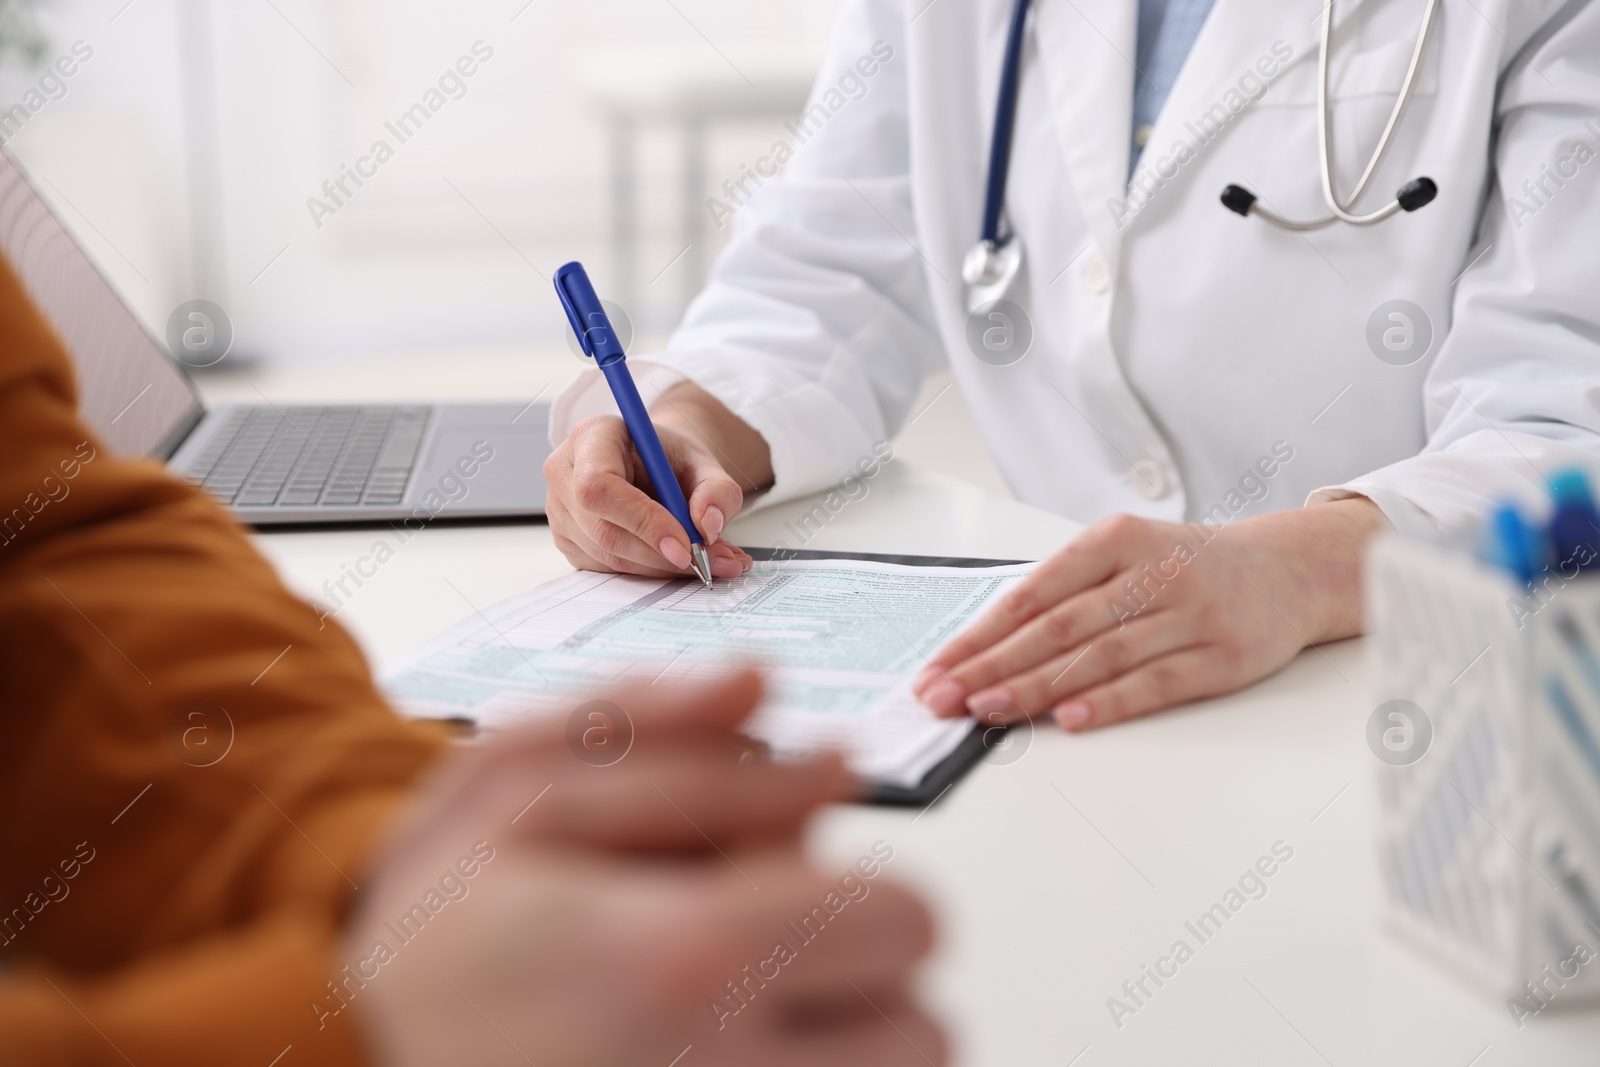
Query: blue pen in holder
[[1489, 843]]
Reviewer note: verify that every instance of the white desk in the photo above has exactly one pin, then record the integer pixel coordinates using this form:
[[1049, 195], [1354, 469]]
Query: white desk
[[1058, 875]]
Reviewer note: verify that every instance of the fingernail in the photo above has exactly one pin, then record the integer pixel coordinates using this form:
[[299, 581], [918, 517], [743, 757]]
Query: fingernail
[[946, 699], [674, 552], [711, 524], [994, 703], [1074, 716], [924, 679]]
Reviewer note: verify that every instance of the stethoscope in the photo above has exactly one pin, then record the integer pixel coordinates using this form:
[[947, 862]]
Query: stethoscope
[[992, 264]]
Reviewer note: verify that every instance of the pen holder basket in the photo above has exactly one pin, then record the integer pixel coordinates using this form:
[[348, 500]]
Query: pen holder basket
[[1489, 771]]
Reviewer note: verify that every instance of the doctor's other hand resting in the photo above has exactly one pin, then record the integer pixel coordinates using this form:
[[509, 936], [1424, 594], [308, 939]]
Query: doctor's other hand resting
[[1136, 615], [601, 510]]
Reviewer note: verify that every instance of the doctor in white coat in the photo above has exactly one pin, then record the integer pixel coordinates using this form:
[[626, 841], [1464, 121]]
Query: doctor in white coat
[[1236, 407]]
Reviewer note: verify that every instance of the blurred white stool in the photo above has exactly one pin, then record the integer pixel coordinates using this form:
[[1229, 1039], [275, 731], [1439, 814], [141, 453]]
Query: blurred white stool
[[686, 91]]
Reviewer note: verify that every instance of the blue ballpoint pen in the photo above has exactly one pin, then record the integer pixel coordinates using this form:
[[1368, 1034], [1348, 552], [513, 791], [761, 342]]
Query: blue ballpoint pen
[[600, 343]]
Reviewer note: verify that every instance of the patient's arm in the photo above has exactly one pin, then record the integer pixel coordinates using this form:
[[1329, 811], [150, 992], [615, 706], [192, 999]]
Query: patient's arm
[[201, 927]]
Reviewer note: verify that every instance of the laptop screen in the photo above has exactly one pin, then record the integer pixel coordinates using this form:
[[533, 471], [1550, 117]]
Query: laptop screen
[[130, 391]]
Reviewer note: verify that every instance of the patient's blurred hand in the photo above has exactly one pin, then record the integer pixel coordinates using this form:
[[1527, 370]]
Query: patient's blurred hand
[[618, 907]]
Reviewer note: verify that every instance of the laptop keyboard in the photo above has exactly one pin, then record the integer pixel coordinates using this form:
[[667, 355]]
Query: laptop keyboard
[[306, 456]]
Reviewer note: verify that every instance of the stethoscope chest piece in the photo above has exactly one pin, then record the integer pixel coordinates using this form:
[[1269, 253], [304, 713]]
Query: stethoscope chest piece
[[989, 269]]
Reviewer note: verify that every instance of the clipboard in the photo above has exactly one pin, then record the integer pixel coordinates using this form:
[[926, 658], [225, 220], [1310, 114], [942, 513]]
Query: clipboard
[[948, 771]]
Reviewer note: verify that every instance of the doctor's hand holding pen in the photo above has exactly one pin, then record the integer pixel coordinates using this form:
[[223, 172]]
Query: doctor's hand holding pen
[[600, 507], [1131, 617]]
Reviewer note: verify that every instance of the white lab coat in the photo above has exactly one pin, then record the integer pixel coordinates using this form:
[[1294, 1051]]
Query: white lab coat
[[1178, 357]]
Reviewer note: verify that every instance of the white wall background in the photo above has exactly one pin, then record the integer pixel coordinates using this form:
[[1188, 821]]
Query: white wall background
[[302, 86]]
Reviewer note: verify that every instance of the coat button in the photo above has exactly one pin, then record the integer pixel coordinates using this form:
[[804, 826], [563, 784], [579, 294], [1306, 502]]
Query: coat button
[[1098, 276], [1150, 479]]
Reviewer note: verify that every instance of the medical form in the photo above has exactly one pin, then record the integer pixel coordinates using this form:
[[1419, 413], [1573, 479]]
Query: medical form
[[840, 640]]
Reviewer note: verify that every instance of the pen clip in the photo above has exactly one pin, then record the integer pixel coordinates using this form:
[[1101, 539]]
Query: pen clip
[[586, 314]]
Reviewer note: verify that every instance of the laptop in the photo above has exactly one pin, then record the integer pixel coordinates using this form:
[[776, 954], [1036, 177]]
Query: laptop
[[272, 464]]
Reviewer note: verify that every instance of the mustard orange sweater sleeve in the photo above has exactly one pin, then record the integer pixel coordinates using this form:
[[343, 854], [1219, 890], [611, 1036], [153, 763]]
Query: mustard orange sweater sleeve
[[193, 767]]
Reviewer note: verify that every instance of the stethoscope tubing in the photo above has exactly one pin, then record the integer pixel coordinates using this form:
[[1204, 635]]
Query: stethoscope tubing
[[986, 263], [1340, 209], [1325, 139], [1004, 125]]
